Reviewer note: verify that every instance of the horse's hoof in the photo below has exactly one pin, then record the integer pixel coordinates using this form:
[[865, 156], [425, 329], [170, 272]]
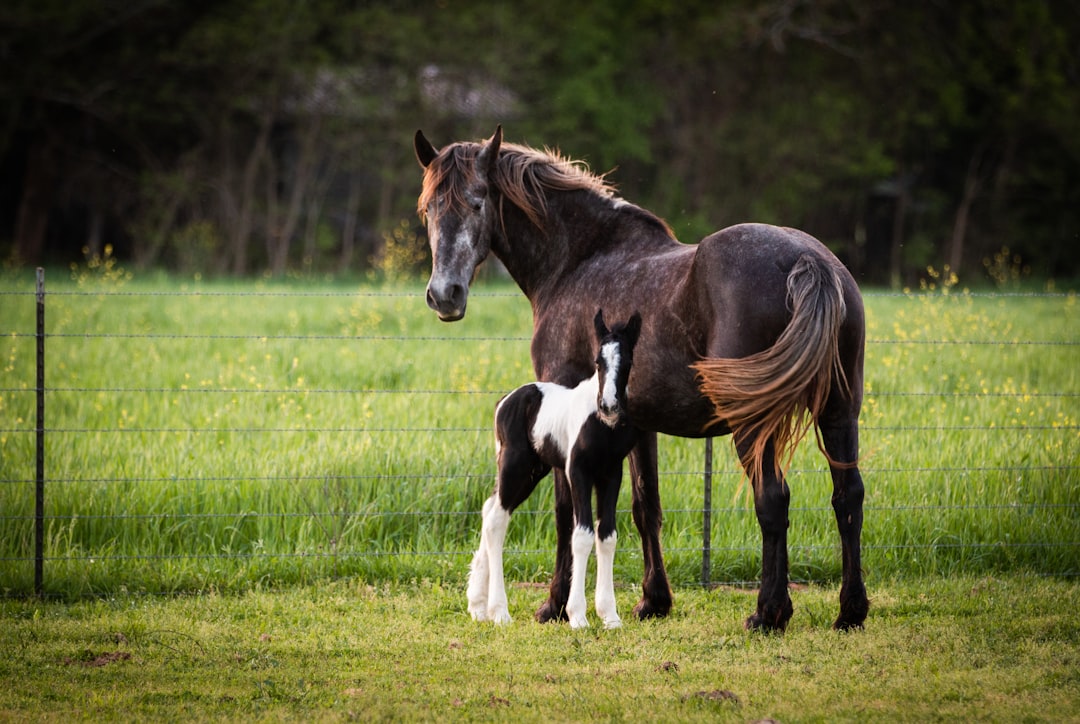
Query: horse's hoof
[[757, 622], [841, 625], [550, 612], [652, 609], [853, 610]]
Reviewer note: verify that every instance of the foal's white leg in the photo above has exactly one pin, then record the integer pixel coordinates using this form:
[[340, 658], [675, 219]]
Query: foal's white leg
[[479, 571], [495, 527], [581, 545], [605, 581], [486, 591]]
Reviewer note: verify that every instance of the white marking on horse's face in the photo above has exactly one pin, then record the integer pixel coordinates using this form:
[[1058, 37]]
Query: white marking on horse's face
[[608, 405], [459, 244]]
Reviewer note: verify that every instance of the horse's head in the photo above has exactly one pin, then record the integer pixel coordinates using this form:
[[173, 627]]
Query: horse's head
[[456, 203], [613, 363]]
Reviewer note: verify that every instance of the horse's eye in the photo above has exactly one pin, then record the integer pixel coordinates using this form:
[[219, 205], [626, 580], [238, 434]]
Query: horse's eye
[[477, 206]]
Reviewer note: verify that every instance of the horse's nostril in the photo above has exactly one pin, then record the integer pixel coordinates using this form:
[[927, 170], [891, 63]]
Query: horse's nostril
[[448, 300], [457, 295]]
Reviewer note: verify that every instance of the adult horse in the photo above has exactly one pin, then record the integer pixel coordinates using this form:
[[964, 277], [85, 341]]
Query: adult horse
[[744, 333]]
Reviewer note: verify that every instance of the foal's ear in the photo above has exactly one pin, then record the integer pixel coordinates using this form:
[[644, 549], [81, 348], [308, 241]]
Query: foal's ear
[[633, 328], [598, 324], [489, 154], [425, 152]]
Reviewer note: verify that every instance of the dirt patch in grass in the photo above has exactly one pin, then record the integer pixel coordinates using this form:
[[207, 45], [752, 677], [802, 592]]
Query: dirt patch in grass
[[92, 660]]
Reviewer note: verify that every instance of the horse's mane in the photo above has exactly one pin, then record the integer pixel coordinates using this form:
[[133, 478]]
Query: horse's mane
[[522, 175]]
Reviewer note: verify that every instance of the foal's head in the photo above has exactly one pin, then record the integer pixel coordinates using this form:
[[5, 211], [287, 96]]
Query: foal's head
[[613, 363]]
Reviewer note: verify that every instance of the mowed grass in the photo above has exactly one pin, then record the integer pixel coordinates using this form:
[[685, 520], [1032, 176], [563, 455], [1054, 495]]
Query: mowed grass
[[224, 436], [960, 648]]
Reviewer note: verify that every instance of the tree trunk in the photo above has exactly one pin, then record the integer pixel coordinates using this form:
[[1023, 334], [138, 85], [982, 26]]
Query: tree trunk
[[348, 232], [280, 241], [240, 235], [32, 222], [972, 185], [896, 250]]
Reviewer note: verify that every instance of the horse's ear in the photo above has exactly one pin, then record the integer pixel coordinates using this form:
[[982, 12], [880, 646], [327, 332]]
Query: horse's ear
[[425, 152], [489, 154], [633, 328], [598, 323]]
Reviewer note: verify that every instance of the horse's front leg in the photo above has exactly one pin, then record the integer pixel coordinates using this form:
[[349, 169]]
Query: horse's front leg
[[842, 444], [581, 543], [648, 517], [771, 502], [554, 609]]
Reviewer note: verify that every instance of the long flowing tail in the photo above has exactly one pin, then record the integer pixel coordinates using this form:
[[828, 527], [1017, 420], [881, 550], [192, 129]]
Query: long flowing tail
[[768, 394]]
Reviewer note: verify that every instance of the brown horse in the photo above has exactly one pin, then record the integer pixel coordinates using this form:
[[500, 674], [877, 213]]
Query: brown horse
[[756, 331]]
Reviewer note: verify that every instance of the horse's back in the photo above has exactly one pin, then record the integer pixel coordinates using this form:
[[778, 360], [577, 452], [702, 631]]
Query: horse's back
[[741, 273]]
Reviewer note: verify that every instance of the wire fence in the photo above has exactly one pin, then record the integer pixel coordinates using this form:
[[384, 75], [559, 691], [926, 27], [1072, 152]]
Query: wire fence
[[98, 450]]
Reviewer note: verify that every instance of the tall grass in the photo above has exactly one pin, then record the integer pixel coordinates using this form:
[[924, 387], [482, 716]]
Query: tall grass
[[216, 435]]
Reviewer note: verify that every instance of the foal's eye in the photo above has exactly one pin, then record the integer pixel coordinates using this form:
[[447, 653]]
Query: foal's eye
[[477, 206]]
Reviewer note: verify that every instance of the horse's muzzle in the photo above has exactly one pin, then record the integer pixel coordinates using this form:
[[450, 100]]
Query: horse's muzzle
[[448, 302]]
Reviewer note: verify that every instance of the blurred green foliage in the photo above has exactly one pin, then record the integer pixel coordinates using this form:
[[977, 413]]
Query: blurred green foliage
[[901, 134]]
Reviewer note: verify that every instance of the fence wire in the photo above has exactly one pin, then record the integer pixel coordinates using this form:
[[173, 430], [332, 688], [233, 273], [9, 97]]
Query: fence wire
[[75, 394]]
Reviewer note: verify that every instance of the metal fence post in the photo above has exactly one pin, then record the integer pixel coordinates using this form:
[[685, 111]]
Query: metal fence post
[[706, 524], [39, 492]]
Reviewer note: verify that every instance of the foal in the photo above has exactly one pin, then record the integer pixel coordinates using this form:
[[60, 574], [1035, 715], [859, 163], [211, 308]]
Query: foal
[[584, 432]]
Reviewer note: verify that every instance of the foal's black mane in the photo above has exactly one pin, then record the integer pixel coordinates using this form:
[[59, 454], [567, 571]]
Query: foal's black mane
[[522, 175]]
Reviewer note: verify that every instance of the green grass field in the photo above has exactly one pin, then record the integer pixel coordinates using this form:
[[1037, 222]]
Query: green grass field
[[311, 459], [957, 648], [229, 435]]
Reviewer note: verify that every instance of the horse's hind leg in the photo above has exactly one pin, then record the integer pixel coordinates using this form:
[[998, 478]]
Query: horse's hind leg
[[655, 590], [520, 469], [841, 441], [554, 609], [484, 583], [771, 501]]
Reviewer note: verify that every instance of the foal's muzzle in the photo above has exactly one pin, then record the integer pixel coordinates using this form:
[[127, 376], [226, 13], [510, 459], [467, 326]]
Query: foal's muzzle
[[610, 416]]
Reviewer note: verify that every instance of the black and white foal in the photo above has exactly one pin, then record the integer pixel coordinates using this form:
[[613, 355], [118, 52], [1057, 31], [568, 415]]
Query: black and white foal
[[584, 432]]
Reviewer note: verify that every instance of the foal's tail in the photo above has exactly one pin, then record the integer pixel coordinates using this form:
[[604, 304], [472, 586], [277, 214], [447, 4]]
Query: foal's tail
[[764, 396]]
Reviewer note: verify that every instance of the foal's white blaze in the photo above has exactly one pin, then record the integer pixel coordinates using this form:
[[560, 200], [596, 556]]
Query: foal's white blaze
[[611, 355]]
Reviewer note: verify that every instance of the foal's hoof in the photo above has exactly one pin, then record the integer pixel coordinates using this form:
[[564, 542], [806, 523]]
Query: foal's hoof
[[551, 611]]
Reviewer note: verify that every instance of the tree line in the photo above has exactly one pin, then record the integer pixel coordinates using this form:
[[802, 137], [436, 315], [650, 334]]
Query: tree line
[[273, 136]]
